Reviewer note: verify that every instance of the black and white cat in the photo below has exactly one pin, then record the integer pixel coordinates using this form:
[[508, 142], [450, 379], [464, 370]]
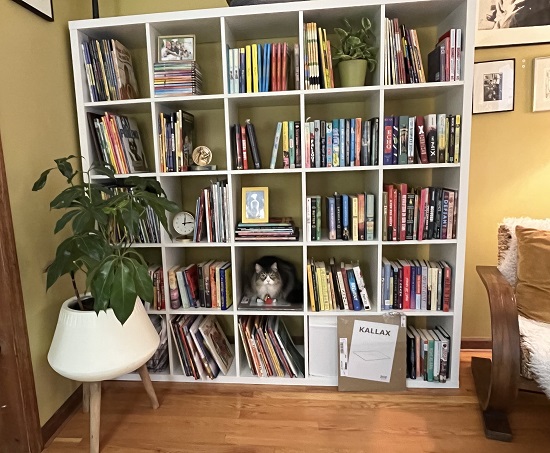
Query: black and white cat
[[274, 277]]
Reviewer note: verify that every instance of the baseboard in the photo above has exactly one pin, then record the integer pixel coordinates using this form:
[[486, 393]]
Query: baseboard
[[476, 343], [57, 420]]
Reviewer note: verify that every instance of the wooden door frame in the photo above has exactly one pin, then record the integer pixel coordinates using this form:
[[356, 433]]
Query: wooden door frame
[[19, 420]]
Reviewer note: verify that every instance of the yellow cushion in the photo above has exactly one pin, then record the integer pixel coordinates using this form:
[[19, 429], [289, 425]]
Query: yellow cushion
[[533, 286]]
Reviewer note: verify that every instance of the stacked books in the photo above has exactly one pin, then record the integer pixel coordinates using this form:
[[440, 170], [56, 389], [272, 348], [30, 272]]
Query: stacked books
[[176, 132], [212, 213], [317, 59], [159, 361], [177, 79], [444, 60], [416, 285], [403, 58], [244, 146], [269, 348], [203, 349], [157, 275], [277, 229]]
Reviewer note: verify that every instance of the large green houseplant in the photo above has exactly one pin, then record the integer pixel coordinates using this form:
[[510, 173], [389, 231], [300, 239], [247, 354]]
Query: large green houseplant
[[104, 219], [356, 53]]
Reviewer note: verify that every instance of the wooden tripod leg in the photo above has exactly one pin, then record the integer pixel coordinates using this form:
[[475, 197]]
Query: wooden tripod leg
[[95, 412], [146, 379], [85, 397]]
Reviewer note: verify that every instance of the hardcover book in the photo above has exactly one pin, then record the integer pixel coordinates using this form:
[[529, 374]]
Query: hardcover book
[[217, 343]]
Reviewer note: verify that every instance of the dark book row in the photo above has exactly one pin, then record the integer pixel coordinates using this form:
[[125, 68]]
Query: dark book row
[[429, 139], [212, 213], [157, 276], [444, 61], [416, 285], [336, 286], [244, 146], [421, 213], [428, 354], [347, 217], [175, 139], [269, 348]]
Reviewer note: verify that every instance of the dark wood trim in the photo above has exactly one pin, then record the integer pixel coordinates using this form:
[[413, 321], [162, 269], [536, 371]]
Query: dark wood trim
[[476, 343], [19, 420], [52, 427]]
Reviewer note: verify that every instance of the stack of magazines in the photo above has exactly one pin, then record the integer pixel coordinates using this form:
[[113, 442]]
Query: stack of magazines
[[177, 79], [277, 229]]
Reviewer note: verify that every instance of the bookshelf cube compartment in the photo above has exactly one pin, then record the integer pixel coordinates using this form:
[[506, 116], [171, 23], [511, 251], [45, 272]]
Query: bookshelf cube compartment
[[265, 342], [208, 55], [366, 256], [207, 117]]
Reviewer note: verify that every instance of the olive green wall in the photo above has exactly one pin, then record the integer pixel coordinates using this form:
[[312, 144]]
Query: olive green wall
[[37, 124], [508, 176]]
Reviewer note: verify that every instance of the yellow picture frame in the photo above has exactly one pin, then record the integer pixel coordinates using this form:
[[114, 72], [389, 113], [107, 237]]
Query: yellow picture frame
[[255, 205]]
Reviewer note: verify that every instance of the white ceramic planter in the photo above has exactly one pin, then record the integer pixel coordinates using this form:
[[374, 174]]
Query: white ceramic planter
[[90, 347]]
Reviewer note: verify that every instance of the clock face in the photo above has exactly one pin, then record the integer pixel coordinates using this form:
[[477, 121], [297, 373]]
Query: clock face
[[184, 223]]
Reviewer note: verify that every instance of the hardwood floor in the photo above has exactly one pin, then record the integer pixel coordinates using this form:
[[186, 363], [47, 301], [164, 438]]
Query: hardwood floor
[[275, 419]]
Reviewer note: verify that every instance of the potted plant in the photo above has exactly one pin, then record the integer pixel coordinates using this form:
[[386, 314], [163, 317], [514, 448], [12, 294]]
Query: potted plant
[[356, 53], [104, 219]]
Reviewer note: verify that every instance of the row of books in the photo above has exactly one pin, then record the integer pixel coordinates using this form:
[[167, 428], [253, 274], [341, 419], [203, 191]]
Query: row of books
[[402, 54], [175, 139], [244, 146], [117, 142], [444, 60], [109, 70], [276, 229], [157, 276], [318, 71], [212, 213], [177, 79], [203, 285], [344, 142], [348, 217], [269, 348], [336, 286], [149, 225], [428, 354], [258, 68], [416, 285], [429, 139], [202, 347], [421, 213]]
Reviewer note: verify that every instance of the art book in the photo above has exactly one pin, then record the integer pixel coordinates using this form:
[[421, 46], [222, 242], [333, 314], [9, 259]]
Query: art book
[[217, 343], [133, 147], [126, 79]]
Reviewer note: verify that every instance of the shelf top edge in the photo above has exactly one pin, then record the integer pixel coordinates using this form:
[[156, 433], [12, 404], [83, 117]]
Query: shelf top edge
[[214, 13]]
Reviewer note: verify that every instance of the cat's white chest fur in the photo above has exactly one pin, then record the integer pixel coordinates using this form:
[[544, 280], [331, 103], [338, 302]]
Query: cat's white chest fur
[[267, 288]]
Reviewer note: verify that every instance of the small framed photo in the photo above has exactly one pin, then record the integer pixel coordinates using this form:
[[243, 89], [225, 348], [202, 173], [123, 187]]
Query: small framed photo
[[255, 201], [176, 48], [494, 86], [541, 84]]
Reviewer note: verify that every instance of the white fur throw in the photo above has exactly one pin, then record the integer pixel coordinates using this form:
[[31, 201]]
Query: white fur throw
[[508, 265], [536, 337]]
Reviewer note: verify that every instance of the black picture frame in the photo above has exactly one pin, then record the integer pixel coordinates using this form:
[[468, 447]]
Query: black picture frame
[[42, 8], [494, 86]]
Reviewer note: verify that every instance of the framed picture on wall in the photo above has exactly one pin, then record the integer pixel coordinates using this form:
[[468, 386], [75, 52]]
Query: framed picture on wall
[[541, 84], [43, 8], [512, 22], [494, 86]]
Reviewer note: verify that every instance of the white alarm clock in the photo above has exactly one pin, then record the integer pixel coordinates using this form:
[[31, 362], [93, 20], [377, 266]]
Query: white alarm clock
[[184, 224]]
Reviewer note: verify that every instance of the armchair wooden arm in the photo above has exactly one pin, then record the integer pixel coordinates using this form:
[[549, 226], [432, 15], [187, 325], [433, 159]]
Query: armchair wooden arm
[[496, 380]]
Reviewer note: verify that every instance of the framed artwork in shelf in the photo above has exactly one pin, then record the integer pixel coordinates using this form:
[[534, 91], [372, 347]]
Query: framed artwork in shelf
[[43, 8], [494, 86], [512, 22], [176, 48], [255, 201], [541, 84]]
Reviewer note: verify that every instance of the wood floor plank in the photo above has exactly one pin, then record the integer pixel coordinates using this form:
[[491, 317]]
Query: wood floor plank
[[275, 419]]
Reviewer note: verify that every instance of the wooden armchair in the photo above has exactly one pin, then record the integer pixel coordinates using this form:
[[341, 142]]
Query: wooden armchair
[[498, 380]]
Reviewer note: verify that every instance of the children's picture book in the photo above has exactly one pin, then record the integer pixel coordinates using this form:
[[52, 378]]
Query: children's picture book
[[133, 147], [127, 83], [217, 343]]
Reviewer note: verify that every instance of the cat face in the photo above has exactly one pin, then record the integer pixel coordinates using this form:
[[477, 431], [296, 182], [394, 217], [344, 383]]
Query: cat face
[[267, 276]]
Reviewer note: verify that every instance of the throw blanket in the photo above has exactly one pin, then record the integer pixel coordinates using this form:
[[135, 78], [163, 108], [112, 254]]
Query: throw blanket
[[536, 337]]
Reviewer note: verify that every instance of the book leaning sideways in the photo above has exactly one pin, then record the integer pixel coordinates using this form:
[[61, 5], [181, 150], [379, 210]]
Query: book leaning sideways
[[127, 83]]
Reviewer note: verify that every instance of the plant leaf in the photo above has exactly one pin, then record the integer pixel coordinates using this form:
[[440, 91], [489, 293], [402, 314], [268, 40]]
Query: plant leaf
[[66, 198], [123, 294], [143, 282], [102, 283], [41, 181], [66, 218], [83, 222]]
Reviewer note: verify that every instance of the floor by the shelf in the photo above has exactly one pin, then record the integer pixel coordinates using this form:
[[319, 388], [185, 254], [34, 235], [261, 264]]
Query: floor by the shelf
[[247, 418]]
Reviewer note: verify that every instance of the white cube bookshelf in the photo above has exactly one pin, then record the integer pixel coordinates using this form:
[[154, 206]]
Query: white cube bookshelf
[[216, 31]]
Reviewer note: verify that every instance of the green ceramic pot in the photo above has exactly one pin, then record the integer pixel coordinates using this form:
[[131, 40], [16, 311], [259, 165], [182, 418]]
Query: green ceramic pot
[[352, 72]]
